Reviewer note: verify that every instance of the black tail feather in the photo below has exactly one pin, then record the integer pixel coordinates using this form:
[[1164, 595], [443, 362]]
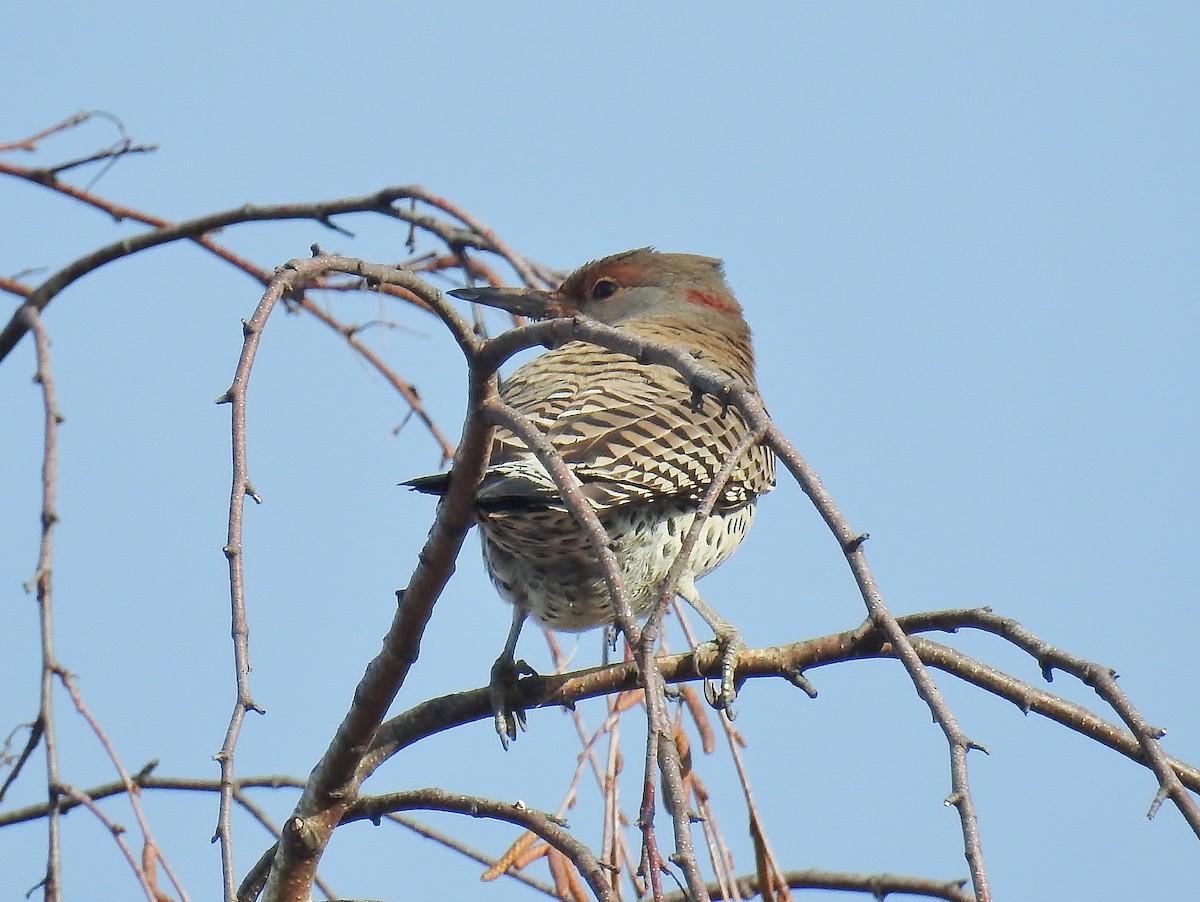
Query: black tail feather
[[434, 484]]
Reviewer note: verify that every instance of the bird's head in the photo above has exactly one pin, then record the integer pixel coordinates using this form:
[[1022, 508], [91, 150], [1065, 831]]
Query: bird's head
[[632, 284]]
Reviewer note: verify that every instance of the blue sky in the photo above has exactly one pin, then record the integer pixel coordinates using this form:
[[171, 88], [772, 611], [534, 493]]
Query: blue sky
[[965, 237]]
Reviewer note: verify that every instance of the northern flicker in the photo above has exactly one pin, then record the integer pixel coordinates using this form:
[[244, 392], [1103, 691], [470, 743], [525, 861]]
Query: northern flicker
[[643, 444]]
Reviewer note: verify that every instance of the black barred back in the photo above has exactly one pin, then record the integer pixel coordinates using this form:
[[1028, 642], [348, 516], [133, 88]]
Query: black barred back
[[631, 432]]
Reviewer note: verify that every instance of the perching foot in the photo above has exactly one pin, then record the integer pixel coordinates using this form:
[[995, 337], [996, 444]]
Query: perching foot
[[729, 646], [502, 691]]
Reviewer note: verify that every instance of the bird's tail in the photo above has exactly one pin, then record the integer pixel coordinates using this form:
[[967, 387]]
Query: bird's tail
[[434, 484]]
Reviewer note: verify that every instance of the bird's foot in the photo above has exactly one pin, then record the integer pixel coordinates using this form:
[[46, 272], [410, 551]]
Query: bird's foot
[[507, 709], [729, 645]]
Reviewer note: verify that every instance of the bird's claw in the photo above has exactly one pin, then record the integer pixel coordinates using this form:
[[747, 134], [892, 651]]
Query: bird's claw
[[507, 709], [721, 697]]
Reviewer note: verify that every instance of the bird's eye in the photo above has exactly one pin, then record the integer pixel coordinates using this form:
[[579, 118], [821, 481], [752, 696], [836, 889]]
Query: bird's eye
[[604, 288]]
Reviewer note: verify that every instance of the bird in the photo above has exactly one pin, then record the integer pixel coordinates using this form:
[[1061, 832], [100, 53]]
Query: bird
[[644, 445]]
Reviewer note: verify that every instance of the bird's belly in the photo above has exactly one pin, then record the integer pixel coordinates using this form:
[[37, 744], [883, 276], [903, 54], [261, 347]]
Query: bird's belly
[[543, 563]]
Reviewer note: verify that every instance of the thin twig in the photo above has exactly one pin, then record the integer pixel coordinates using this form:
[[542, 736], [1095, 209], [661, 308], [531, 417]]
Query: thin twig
[[466, 851], [26, 753], [477, 227], [197, 230], [42, 583], [48, 174], [30, 144], [405, 388], [116, 830], [13, 286], [132, 790], [877, 885], [145, 780], [166, 228], [1103, 680]]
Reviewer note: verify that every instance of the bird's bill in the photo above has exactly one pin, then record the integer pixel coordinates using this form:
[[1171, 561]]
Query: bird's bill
[[532, 302]]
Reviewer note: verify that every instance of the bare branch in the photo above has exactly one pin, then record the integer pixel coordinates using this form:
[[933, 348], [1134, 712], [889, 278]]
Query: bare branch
[[116, 830], [332, 786], [547, 827], [862, 643], [30, 144], [152, 850], [381, 201], [330, 796], [712, 382], [1103, 680], [878, 885], [463, 849], [42, 583], [18, 765]]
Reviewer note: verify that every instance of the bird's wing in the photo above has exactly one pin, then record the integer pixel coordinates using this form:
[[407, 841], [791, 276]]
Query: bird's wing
[[630, 432]]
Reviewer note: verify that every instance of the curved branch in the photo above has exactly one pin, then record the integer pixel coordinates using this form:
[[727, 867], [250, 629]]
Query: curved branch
[[197, 230], [578, 328], [491, 241], [145, 780], [1103, 680], [548, 827], [381, 201], [331, 788]]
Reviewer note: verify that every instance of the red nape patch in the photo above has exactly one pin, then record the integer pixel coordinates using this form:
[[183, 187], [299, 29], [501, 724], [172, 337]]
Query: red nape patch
[[709, 300]]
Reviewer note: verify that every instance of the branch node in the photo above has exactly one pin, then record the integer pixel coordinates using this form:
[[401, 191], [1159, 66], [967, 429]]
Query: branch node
[[855, 543], [1159, 797], [299, 833], [796, 677], [1046, 663]]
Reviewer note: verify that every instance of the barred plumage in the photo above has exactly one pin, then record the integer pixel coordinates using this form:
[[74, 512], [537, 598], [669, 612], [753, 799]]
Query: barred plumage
[[644, 446]]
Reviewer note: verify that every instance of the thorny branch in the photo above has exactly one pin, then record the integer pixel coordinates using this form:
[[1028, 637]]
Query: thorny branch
[[333, 785], [42, 584], [729, 391], [363, 742], [197, 230], [556, 331], [482, 366], [863, 643], [783, 661]]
